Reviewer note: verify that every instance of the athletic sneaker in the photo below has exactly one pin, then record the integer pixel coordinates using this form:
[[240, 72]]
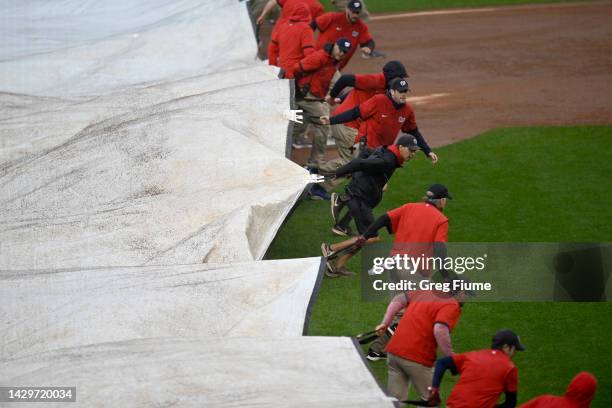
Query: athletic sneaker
[[344, 272], [326, 250], [341, 231], [331, 270], [318, 193], [335, 206], [374, 356]]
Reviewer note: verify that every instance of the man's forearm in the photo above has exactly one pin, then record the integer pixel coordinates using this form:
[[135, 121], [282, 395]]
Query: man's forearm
[[421, 141], [442, 335], [343, 82], [443, 364], [344, 117]]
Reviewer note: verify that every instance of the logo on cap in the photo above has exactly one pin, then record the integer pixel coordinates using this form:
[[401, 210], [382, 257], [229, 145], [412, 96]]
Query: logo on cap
[[347, 44], [403, 83], [356, 4]]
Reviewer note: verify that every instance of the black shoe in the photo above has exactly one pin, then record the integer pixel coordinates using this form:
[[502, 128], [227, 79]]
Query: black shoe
[[341, 231], [318, 193], [374, 356], [331, 270]]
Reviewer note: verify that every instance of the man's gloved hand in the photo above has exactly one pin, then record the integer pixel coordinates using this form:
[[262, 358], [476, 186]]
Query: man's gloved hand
[[360, 241], [434, 397]]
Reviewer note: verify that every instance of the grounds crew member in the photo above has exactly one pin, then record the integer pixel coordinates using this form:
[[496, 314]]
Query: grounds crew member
[[428, 320], [361, 88], [340, 5], [292, 41], [484, 375], [580, 392], [364, 192], [383, 116], [313, 75], [422, 223], [345, 24], [314, 7]]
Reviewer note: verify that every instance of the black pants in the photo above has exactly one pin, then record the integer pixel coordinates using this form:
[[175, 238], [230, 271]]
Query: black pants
[[360, 211]]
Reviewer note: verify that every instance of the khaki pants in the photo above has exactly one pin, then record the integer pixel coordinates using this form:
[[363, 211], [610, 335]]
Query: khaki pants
[[403, 372], [313, 108], [340, 5], [345, 138]]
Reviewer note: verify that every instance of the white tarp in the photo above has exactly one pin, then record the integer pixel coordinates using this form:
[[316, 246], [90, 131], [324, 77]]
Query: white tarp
[[77, 47], [214, 372], [174, 183], [52, 309]]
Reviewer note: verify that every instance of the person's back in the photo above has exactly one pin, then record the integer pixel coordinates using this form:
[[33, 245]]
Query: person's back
[[580, 392], [293, 40], [485, 375], [368, 183], [414, 337]]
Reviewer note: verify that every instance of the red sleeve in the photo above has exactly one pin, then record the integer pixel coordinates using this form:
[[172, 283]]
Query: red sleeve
[[307, 41], [364, 34], [309, 63], [410, 122], [281, 3], [369, 82], [324, 20], [448, 315], [369, 107], [395, 215], [511, 383], [459, 360], [442, 232]]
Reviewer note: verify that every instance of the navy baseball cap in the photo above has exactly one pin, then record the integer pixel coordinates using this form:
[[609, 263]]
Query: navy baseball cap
[[399, 84], [355, 6], [437, 191], [507, 337], [344, 44], [408, 141]]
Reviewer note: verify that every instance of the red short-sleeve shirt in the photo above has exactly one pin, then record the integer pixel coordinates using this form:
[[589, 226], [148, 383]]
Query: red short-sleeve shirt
[[414, 339], [485, 375], [418, 222]]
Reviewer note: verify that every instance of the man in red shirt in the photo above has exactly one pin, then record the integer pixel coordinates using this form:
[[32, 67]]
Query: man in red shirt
[[580, 392], [428, 320], [293, 41], [384, 116], [411, 223], [313, 75], [333, 25], [361, 88], [485, 374]]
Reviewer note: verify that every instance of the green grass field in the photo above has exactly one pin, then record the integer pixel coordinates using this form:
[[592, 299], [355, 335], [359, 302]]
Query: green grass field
[[510, 185], [390, 6]]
